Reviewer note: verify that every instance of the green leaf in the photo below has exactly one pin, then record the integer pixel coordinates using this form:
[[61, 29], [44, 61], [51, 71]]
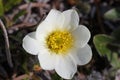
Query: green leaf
[[83, 7], [101, 41], [115, 62], [112, 14], [56, 77], [9, 4], [24, 66], [15, 2], [1, 8]]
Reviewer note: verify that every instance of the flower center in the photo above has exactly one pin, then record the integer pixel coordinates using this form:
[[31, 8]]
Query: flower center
[[59, 41]]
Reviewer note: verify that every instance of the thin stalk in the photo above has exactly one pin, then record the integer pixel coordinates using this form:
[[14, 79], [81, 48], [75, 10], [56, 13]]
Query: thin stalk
[[8, 54]]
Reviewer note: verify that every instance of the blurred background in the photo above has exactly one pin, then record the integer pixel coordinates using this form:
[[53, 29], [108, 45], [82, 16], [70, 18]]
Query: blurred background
[[19, 17]]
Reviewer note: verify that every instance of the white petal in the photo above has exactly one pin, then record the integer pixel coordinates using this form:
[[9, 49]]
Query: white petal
[[47, 60], [83, 55], [81, 35], [43, 30], [65, 67], [71, 19], [30, 44], [52, 17]]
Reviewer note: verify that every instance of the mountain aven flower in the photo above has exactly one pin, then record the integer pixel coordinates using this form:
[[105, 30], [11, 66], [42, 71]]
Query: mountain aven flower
[[60, 43]]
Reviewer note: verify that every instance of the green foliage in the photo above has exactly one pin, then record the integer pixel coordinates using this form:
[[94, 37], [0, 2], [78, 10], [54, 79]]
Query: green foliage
[[1, 8], [106, 47], [56, 77], [9, 4], [24, 66], [26, 79], [101, 41], [112, 14], [115, 62]]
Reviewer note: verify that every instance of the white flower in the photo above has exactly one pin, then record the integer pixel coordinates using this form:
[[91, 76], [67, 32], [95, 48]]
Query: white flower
[[60, 43]]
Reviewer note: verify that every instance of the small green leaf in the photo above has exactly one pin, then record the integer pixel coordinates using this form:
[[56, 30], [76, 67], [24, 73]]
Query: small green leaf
[[56, 77], [112, 14], [83, 7], [1, 8], [101, 41], [24, 66], [115, 62]]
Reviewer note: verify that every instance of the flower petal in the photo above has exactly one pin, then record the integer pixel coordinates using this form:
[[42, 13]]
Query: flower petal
[[70, 20], [43, 30], [30, 44], [83, 56], [81, 35], [47, 60], [65, 67], [53, 16]]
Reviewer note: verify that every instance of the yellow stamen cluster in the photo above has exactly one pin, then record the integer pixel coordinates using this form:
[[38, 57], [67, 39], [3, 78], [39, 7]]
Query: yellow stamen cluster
[[59, 41]]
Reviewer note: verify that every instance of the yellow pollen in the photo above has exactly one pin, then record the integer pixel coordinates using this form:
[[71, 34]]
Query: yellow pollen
[[59, 41]]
